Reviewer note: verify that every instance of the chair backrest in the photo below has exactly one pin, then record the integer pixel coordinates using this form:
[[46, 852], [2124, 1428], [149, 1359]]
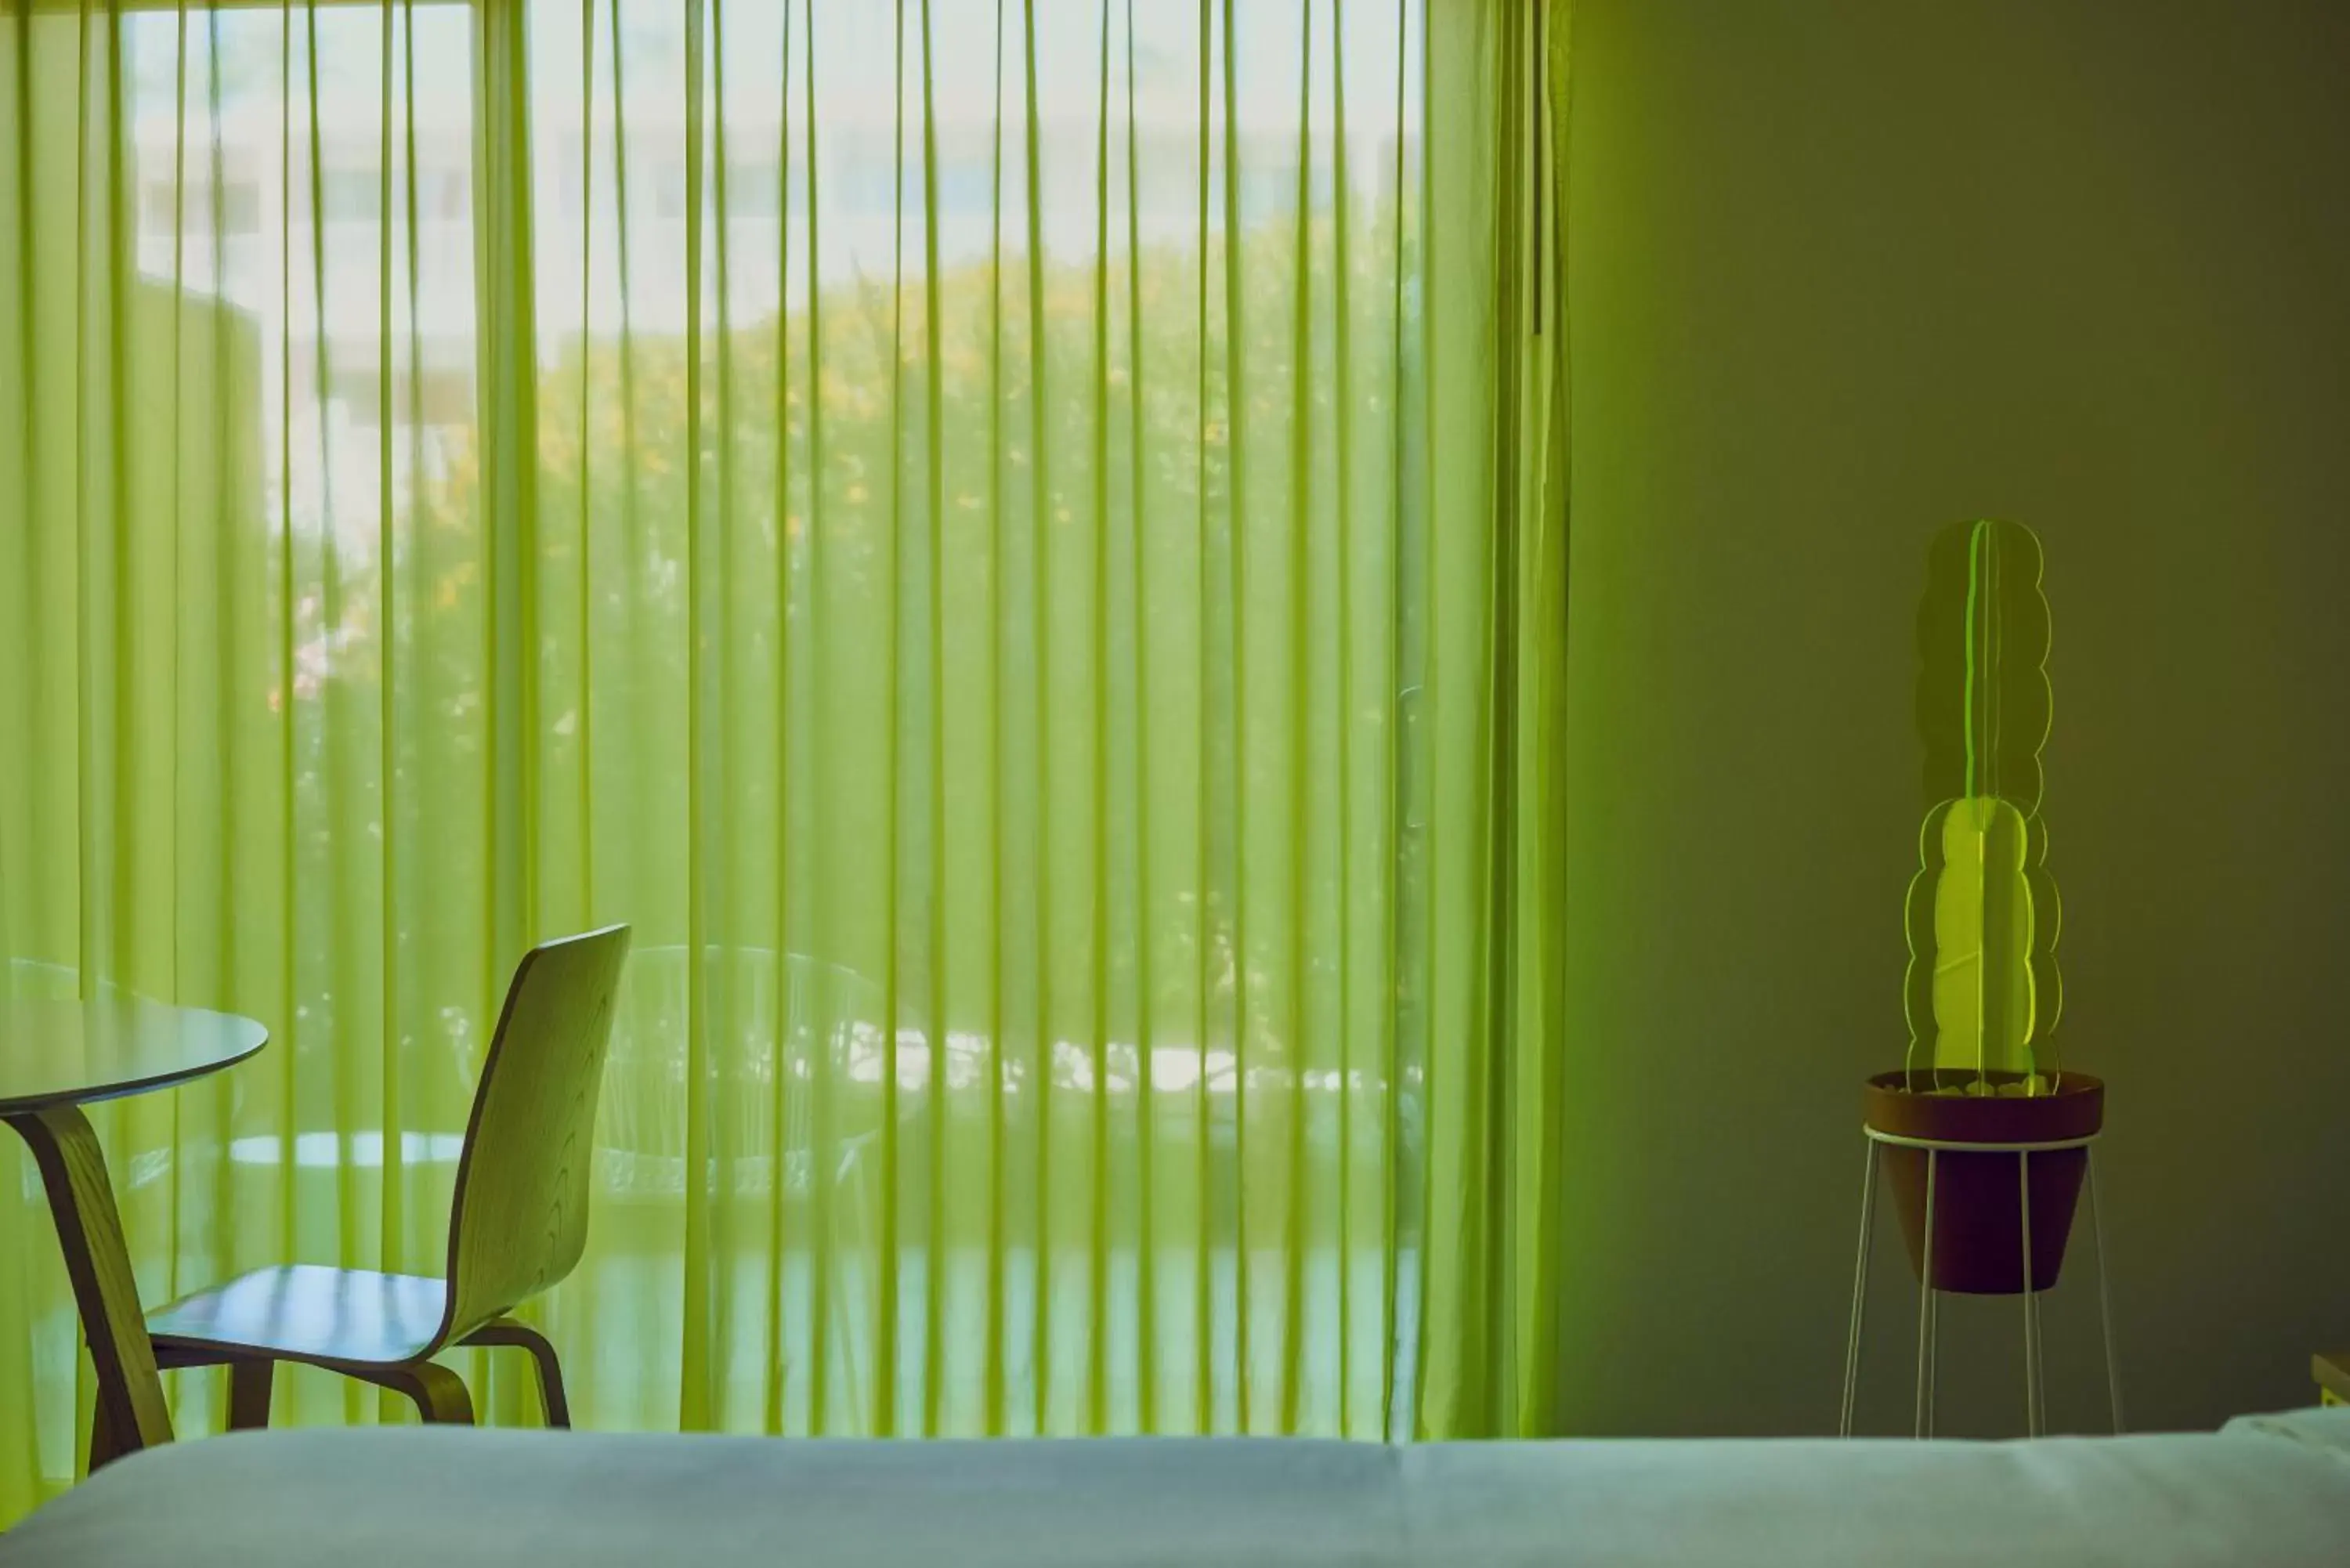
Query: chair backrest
[[520, 1215]]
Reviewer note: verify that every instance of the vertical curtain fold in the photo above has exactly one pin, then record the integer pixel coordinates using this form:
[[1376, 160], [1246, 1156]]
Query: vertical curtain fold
[[1020, 542], [1492, 658]]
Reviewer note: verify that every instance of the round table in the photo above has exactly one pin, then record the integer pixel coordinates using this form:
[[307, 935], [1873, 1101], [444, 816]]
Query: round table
[[54, 1058]]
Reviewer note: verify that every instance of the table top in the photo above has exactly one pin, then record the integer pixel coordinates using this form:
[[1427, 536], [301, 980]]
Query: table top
[[64, 1053]]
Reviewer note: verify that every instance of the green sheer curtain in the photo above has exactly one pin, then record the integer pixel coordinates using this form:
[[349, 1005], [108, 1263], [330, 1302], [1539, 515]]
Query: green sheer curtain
[[1020, 542]]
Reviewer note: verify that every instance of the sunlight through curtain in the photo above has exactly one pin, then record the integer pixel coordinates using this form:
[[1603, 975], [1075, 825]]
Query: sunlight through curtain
[[1020, 542]]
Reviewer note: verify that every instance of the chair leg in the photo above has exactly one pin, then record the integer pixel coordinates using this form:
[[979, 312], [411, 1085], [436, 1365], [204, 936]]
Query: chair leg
[[520, 1334], [438, 1394], [103, 1445], [248, 1394]]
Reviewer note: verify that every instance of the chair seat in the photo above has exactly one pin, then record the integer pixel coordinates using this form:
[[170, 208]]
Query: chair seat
[[303, 1312]]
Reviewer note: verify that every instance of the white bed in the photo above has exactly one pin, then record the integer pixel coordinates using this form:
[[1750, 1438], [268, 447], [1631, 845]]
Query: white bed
[[2267, 1492]]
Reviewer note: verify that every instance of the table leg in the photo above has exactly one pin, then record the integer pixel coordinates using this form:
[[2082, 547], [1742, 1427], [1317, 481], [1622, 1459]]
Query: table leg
[[131, 1409]]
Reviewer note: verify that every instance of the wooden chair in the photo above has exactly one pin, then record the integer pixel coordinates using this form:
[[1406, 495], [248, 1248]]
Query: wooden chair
[[516, 1226]]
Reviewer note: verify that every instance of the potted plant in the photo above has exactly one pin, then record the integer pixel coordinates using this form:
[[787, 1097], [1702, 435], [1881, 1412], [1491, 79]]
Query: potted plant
[[1983, 996]]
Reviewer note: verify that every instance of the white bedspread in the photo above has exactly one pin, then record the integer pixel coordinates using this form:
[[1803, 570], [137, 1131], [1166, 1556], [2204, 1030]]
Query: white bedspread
[[2269, 1492]]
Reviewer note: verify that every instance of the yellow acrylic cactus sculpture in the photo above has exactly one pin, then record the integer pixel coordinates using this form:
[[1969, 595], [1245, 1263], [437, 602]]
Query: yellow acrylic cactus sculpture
[[1983, 994]]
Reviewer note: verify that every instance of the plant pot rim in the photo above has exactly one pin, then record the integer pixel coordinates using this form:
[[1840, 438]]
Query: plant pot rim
[[2074, 1109]]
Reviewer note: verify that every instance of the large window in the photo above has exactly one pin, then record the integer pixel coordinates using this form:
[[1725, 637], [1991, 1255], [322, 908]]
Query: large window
[[934, 514]]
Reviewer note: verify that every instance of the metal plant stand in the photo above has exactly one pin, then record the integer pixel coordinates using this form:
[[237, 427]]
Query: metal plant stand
[[2036, 1389]]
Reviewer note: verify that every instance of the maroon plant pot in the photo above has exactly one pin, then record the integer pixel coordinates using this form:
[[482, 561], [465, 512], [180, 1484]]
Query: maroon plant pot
[[1978, 1196]]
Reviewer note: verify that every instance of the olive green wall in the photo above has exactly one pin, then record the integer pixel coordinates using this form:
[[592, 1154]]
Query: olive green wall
[[1843, 273]]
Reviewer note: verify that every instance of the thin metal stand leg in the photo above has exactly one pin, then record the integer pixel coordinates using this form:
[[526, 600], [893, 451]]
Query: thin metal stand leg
[[2032, 1412], [1859, 1289], [1934, 1364], [2040, 1357], [1923, 1422], [2105, 1296]]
